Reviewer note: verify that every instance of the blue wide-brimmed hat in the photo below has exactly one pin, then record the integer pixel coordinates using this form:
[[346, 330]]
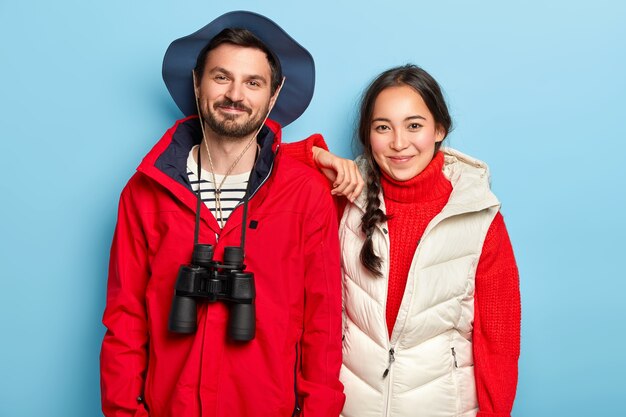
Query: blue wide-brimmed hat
[[297, 64]]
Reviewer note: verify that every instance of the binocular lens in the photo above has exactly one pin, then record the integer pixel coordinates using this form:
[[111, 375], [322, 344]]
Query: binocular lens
[[241, 322], [183, 315], [233, 256], [202, 255]]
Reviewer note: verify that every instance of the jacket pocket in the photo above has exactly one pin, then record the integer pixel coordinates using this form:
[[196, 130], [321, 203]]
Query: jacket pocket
[[296, 406]]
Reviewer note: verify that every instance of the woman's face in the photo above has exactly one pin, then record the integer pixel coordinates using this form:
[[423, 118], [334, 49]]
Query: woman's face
[[403, 133]]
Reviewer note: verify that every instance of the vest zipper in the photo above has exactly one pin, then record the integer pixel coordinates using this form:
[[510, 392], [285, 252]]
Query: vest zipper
[[387, 392], [296, 407], [392, 359], [454, 357]]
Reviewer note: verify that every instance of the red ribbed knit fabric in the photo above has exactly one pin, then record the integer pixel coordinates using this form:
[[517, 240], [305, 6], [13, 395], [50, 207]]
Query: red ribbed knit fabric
[[497, 318], [410, 205]]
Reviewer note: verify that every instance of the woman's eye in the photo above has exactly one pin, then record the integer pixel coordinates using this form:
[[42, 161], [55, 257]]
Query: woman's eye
[[381, 128], [415, 126]]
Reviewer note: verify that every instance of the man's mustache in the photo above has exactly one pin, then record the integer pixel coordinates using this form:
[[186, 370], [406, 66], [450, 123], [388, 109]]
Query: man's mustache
[[234, 104]]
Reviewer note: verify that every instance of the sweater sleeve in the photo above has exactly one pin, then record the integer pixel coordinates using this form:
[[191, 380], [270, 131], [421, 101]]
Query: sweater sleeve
[[497, 318], [303, 150]]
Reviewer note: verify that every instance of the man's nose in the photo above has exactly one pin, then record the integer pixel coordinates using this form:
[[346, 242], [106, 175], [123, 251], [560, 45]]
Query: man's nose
[[235, 92]]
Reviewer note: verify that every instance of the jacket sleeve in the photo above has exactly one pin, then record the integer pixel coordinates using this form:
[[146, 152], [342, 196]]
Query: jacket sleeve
[[123, 358], [497, 317], [303, 150], [319, 388]]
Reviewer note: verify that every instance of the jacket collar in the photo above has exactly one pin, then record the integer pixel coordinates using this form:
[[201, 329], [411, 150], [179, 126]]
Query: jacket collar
[[166, 163]]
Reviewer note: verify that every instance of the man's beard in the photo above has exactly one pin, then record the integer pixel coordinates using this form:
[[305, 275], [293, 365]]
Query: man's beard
[[228, 127]]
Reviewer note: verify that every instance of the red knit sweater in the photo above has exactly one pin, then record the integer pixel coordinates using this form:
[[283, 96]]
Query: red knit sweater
[[411, 205]]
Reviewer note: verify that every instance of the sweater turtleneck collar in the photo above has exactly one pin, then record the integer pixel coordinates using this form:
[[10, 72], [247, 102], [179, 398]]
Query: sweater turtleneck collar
[[428, 185]]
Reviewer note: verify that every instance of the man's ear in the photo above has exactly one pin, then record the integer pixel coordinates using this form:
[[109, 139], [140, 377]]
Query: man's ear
[[276, 93]]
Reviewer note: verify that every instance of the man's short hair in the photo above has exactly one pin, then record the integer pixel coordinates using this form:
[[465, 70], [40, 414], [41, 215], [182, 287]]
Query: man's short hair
[[246, 39]]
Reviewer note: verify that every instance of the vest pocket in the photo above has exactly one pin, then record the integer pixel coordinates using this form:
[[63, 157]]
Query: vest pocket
[[461, 370], [455, 376], [455, 363]]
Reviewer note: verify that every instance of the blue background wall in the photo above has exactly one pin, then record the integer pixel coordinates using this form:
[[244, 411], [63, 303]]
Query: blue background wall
[[536, 89]]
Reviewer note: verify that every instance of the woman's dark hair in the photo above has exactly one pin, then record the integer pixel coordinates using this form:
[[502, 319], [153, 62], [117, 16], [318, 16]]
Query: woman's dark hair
[[426, 86], [245, 39]]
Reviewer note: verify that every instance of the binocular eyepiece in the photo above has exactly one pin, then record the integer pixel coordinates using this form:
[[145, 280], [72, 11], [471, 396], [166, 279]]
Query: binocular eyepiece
[[210, 281]]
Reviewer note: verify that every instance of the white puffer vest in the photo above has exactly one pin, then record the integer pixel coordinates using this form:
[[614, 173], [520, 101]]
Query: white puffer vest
[[428, 363]]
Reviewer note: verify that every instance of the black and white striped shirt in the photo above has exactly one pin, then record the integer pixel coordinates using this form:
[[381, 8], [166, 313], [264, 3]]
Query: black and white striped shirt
[[232, 192]]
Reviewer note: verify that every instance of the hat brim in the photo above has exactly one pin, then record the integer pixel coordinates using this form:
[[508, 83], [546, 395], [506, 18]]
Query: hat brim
[[297, 64]]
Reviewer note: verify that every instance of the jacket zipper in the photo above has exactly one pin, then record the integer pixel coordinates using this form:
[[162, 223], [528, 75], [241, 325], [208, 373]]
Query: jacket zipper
[[296, 407], [217, 236], [269, 174]]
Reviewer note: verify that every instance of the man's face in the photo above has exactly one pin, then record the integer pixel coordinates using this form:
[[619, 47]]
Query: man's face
[[234, 91]]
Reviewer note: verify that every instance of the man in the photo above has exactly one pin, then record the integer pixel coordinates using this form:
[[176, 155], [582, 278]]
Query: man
[[276, 208]]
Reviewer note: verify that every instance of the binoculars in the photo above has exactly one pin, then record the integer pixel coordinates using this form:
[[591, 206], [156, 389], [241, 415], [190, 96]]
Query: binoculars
[[210, 281]]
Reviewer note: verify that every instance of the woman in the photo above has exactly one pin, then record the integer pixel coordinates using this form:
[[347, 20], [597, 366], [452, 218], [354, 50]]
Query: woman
[[431, 289]]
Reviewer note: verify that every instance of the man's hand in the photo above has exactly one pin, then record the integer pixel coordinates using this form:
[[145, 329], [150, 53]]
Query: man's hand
[[344, 173]]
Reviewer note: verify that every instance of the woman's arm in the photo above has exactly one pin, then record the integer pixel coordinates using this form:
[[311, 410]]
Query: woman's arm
[[342, 173], [497, 317]]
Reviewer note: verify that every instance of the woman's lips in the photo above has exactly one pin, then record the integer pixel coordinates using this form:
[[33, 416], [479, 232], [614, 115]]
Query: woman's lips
[[400, 159]]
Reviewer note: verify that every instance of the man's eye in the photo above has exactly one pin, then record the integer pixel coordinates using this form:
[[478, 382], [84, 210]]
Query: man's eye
[[254, 83], [220, 77]]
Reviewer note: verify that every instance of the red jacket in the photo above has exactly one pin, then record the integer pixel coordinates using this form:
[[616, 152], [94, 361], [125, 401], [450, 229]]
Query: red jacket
[[291, 247]]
